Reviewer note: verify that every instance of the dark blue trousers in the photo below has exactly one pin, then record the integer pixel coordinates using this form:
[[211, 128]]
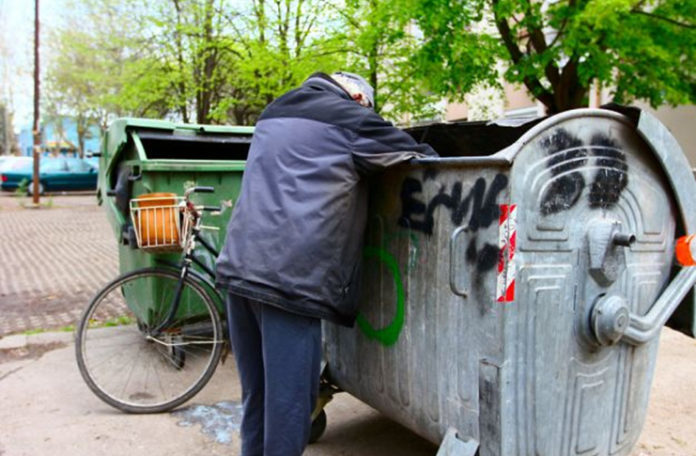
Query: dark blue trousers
[[278, 356]]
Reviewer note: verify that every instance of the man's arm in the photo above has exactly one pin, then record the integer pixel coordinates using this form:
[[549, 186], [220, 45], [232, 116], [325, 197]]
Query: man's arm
[[379, 144]]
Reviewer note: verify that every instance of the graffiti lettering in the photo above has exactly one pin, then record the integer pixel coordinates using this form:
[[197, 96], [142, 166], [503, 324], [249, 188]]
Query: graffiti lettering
[[484, 259], [612, 176], [389, 334], [569, 156], [479, 204]]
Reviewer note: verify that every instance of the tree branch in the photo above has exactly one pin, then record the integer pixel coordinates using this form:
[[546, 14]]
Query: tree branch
[[665, 19], [351, 19], [532, 84], [538, 40], [559, 32]]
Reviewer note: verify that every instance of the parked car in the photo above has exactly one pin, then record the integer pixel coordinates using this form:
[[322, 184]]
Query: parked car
[[55, 174], [12, 162]]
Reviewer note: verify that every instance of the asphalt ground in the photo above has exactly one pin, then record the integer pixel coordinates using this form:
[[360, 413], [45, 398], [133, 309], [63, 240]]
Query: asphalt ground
[[54, 258]]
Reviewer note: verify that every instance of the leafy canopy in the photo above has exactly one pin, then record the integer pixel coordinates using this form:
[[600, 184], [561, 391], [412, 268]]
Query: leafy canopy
[[638, 48], [222, 61]]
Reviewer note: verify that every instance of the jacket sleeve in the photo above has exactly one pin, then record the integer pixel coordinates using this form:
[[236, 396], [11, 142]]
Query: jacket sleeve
[[378, 144]]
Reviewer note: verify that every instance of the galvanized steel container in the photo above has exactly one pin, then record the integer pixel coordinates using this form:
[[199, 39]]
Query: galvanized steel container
[[515, 298]]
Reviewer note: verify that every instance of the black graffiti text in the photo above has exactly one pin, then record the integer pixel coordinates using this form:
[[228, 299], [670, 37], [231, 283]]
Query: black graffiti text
[[568, 157], [479, 204]]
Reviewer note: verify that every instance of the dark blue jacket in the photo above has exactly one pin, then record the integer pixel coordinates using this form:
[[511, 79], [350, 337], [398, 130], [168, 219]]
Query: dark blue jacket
[[295, 236]]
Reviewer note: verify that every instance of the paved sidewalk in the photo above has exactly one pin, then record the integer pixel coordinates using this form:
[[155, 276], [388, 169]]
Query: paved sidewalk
[[52, 260], [48, 410]]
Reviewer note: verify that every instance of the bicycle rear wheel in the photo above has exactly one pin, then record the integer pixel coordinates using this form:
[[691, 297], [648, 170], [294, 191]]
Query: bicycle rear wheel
[[134, 368]]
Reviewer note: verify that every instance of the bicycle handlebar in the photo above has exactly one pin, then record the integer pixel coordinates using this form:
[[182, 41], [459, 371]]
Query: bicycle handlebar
[[198, 190]]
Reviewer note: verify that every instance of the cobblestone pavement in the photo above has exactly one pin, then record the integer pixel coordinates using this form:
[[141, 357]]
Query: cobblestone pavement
[[52, 260]]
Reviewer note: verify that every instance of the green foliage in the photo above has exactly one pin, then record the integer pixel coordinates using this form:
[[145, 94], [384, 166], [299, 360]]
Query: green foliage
[[556, 49], [223, 61], [379, 39], [277, 44], [203, 61], [22, 188], [100, 67]]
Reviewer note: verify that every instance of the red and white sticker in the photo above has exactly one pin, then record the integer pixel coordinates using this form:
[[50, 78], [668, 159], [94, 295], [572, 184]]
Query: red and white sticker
[[507, 241]]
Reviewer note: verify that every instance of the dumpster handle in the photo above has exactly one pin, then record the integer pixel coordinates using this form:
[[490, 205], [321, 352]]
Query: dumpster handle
[[132, 177], [453, 261], [642, 329]]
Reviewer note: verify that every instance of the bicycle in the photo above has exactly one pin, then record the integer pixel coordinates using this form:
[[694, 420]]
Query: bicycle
[[137, 327], [152, 338]]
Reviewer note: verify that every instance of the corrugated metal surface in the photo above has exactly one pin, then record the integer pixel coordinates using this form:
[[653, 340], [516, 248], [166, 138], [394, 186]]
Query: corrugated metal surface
[[443, 339]]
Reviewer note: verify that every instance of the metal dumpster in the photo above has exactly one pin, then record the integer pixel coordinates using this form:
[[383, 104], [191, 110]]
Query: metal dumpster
[[141, 156], [514, 291]]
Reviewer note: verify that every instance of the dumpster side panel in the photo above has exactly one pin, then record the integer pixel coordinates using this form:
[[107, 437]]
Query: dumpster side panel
[[418, 347], [682, 180], [579, 184], [227, 185]]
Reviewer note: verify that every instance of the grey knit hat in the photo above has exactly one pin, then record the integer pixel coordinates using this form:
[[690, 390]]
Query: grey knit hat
[[362, 84]]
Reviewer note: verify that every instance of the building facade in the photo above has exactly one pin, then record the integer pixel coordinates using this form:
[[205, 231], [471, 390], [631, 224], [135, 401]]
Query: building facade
[[59, 137]]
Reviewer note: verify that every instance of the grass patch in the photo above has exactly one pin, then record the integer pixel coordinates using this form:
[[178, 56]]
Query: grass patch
[[22, 188], [31, 332], [123, 320]]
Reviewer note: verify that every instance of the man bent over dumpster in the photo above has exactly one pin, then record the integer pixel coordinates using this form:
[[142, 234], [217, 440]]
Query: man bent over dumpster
[[293, 247]]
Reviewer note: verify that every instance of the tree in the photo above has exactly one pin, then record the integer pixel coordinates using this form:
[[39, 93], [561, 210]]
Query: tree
[[201, 61], [8, 69], [69, 89], [639, 49], [279, 43], [189, 40], [98, 69], [379, 40]]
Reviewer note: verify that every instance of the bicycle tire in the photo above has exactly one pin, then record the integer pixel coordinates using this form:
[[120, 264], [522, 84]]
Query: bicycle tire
[[318, 427], [113, 344]]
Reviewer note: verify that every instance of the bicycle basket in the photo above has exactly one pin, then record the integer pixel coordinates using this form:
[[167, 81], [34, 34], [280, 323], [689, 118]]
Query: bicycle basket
[[157, 222]]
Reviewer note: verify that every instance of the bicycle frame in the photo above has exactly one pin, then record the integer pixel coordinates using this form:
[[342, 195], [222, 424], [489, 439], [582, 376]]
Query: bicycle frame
[[187, 261]]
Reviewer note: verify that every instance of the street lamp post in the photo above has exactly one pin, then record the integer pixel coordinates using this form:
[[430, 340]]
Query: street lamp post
[[37, 131]]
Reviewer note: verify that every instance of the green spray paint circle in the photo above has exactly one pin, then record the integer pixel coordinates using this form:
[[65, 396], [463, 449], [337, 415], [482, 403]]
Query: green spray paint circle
[[390, 333]]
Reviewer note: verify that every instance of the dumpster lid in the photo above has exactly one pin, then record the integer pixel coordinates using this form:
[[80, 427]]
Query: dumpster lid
[[470, 139], [122, 130], [183, 145]]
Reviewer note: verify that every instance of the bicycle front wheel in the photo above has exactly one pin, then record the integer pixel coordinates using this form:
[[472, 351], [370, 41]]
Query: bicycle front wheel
[[131, 364]]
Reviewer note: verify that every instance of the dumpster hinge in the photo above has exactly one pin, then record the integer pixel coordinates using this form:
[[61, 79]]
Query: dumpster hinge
[[453, 446]]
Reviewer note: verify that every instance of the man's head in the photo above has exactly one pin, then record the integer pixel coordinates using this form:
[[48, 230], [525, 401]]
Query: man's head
[[357, 87]]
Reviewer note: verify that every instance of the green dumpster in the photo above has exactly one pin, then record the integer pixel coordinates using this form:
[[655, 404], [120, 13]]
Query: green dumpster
[[142, 156]]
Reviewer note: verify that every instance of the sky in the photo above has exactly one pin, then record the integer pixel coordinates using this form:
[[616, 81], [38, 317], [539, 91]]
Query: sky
[[17, 55]]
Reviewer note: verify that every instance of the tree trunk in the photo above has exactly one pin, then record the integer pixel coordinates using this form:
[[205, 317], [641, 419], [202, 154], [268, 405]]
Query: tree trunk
[[208, 56], [568, 92], [81, 127]]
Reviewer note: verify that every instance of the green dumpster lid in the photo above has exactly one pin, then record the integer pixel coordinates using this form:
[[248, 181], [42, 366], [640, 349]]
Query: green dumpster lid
[[121, 129]]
